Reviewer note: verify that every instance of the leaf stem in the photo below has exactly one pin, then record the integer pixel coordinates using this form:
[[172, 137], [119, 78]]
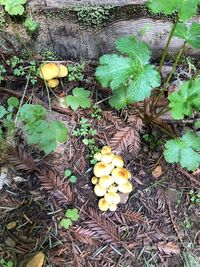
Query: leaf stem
[[167, 45]]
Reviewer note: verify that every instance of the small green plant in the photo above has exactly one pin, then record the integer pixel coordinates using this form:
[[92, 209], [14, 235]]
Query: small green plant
[[2, 72], [72, 178], [132, 78], [2, 20], [187, 224], [153, 140], [87, 133], [48, 55], [96, 112], [4, 263], [31, 25], [92, 16], [194, 197], [14, 7], [71, 216], [75, 71], [80, 98]]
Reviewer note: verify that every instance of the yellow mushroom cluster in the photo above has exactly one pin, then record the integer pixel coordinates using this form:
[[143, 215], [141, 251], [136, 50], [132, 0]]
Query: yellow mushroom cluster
[[110, 179], [50, 72]]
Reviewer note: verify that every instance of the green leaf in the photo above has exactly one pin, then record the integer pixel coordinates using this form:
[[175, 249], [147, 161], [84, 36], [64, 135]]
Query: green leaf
[[66, 223], [114, 70], [60, 131], [13, 102], [130, 46], [80, 98], [182, 151], [73, 179], [189, 34], [31, 24], [14, 7], [197, 124], [72, 214], [186, 99], [67, 173], [30, 113], [3, 112], [185, 8], [119, 99], [10, 263]]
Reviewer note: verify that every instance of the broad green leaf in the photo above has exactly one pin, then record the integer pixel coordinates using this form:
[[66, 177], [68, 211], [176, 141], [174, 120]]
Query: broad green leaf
[[3, 112], [59, 130], [182, 151], [80, 98], [130, 46], [14, 7], [67, 173], [119, 99], [186, 99], [72, 214], [13, 101], [140, 87], [114, 70], [72, 101], [30, 113], [66, 223], [190, 34], [185, 8], [81, 92]]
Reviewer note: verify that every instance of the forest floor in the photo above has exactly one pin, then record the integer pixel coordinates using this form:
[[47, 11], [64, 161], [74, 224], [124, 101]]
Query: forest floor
[[158, 225]]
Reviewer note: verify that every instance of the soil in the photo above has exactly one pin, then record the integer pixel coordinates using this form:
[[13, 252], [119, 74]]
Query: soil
[[158, 225]]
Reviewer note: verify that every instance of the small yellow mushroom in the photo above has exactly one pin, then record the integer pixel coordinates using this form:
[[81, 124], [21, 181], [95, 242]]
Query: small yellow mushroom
[[99, 191], [98, 156], [129, 174], [53, 83], [94, 180], [112, 188], [107, 158], [125, 188], [112, 198], [106, 149], [118, 161], [103, 204], [63, 71], [112, 207], [105, 181], [101, 169], [48, 71], [120, 175]]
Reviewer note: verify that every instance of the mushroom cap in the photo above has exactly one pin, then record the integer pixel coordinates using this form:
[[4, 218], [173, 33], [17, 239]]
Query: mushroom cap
[[106, 149], [48, 71], [118, 161], [112, 198], [103, 204], [99, 191], [63, 71], [53, 83], [129, 174], [101, 169], [125, 188], [98, 156], [120, 175], [94, 180], [112, 188], [112, 207], [105, 181], [107, 158]]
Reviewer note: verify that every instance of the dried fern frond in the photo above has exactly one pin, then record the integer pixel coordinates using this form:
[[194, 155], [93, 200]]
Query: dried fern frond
[[131, 216], [104, 227], [21, 160], [127, 138], [54, 184], [86, 236], [168, 248], [78, 260], [113, 118]]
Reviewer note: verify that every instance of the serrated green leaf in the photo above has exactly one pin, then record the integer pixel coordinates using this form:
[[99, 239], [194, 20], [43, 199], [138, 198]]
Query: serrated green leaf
[[119, 99], [182, 150], [130, 46], [114, 70], [13, 101], [66, 223], [3, 112], [186, 99], [185, 8], [30, 113], [80, 98], [72, 214], [60, 131], [81, 92], [189, 34], [72, 101], [67, 173]]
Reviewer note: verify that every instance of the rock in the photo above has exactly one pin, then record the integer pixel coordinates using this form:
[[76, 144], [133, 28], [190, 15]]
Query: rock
[[37, 260]]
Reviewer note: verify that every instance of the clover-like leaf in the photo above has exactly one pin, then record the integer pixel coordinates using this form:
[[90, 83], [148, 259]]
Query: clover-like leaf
[[189, 34], [13, 101], [3, 112], [185, 8], [68, 172], [73, 179], [182, 151], [186, 99], [80, 98], [14, 7], [72, 214], [66, 223]]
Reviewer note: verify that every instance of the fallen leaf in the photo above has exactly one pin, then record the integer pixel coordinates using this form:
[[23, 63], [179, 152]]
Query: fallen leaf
[[37, 260], [11, 225], [157, 172]]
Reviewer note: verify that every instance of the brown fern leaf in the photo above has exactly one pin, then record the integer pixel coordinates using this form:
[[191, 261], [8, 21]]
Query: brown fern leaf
[[78, 260], [86, 236], [54, 184], [104, 227], [131, 216], [21, 160], [169, 248], [127, 138], [113, 118], [135, 122]]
